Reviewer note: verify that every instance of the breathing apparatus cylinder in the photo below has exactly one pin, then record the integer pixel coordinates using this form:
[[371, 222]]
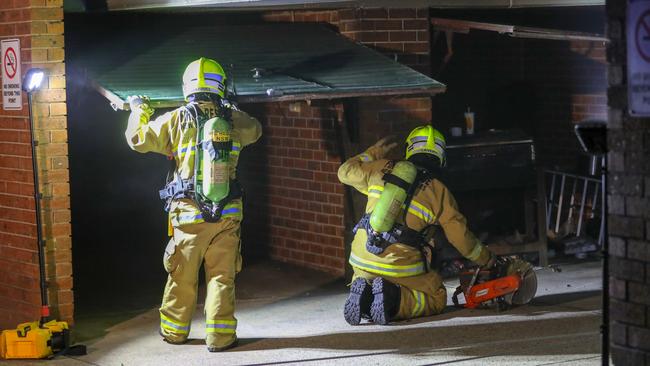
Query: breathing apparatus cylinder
[[213, 176], [397, 184]]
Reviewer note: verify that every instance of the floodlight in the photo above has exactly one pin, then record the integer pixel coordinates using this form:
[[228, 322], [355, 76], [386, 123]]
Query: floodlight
[[33, 79]]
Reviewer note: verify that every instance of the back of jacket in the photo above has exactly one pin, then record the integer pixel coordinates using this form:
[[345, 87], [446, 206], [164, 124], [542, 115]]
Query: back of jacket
[[432, 204], [173, 134]]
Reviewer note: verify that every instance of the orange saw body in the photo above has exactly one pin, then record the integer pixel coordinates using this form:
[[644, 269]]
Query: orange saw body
[[510, 282], [489, 290]]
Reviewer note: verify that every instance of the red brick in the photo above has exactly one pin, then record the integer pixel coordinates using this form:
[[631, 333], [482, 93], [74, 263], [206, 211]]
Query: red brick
[[14, 15], [373, 36], [15, 149], [402, 13], [17, 215], [416, 47], [370, 13], [389, 25], [401, 36], [347, 14], [416, 24]]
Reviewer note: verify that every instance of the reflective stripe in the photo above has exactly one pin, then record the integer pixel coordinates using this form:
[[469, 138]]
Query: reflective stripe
[[375, 191], [417, 209], [476, 252], [230, 211], [419, 139], [386, 269], [220, 326], [365, 157], [183, 149], [233, 209], [209, 75], [236, 148], [417, 145], [189, 218], [169, 324], [420, 301]]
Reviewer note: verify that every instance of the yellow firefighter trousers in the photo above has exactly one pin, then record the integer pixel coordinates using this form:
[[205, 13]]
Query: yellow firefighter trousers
[[420, 295], [218, 246]]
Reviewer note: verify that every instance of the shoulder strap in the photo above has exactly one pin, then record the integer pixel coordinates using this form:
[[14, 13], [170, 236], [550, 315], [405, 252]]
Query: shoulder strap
[[422, 176]]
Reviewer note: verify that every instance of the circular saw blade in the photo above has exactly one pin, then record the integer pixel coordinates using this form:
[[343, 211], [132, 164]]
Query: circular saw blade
[[527, 288]]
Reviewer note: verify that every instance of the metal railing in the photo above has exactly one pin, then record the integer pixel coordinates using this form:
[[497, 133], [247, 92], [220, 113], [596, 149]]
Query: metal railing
[[570, 195]]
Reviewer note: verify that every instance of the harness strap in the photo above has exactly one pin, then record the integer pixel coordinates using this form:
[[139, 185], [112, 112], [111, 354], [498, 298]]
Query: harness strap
[[377, 242], [184, 188], [212, 211], [391, 178], [177, 188]]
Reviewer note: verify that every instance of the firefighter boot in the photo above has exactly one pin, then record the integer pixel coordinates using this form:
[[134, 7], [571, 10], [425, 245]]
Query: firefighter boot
[[386, 303], [357, 305], [221, 349]]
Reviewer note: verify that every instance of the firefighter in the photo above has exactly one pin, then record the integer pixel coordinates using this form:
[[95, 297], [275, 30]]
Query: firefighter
[[391, 278], [203, 199]]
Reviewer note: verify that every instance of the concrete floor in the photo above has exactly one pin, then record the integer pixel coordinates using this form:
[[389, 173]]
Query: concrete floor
[[291, 316]]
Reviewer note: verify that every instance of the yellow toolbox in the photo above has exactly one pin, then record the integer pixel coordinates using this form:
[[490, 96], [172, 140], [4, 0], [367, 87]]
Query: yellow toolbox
[[30, 340]]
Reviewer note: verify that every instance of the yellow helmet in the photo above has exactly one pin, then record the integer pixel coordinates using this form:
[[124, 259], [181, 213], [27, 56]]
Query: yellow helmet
[[426, 140], [204, 76]]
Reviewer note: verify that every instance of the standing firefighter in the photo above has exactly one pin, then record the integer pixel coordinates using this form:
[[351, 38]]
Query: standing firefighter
[[405, 202], [204, 137]]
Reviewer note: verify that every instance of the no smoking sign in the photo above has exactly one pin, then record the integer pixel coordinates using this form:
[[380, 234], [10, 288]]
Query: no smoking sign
[[12, 97], [642, 35], [11, 65]]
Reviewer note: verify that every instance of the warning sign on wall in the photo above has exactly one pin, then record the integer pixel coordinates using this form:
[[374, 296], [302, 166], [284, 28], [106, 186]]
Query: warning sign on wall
[[638, 57], [12, 98]]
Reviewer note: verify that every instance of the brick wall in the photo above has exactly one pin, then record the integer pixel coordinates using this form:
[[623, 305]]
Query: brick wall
[[302, 217], [402, 34], [295, 206], [629, 213], [39, 26], [294, 200]]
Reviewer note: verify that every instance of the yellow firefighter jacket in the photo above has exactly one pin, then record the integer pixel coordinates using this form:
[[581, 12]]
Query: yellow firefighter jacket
[[174, 134], [432, 204]]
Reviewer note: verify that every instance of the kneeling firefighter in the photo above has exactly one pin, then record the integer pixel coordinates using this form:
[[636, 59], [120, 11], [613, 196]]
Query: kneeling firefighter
[[406, 202], [204, 139]]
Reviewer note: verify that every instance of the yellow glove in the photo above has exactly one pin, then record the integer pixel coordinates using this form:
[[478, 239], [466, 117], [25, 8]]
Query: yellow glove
[[491, 262], [140, 102], [384, 146]]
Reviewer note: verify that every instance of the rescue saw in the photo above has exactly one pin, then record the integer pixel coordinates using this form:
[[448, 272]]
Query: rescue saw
[[511, 281]]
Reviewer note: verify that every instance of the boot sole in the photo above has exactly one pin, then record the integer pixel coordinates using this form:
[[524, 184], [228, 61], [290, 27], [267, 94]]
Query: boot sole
[[224, 348], [377, 309], [352, 310]]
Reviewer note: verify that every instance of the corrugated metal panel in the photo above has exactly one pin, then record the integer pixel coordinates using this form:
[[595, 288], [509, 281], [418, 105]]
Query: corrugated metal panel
[[297, 61]]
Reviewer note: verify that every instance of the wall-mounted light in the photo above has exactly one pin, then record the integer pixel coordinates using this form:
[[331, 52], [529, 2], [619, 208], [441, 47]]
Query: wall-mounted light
[[33, 80]]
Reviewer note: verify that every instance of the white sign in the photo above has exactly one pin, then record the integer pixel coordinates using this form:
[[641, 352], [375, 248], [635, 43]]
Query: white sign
[[12, 97], [638, 57]]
